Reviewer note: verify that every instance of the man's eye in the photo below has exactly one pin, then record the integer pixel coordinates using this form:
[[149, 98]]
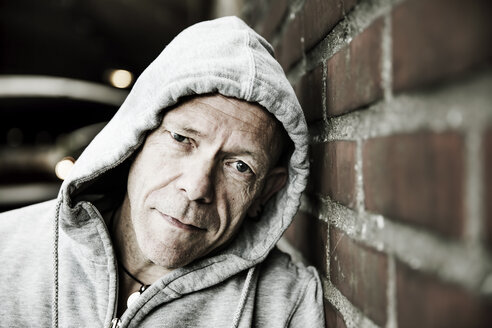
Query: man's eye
[[180, 138], [242, 167]]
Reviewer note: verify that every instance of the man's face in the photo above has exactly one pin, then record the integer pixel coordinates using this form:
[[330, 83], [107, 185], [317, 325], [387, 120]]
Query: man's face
[[197, 176]]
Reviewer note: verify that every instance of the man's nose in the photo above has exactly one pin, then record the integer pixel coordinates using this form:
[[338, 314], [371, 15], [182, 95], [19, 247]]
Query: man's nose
[[197, 180]]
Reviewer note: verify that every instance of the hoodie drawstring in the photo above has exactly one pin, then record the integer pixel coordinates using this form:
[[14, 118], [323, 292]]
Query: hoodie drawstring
[[56, 233], [244, 296]]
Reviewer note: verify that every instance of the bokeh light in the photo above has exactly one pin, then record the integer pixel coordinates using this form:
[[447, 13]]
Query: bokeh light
[[120, 78], [63, 167]]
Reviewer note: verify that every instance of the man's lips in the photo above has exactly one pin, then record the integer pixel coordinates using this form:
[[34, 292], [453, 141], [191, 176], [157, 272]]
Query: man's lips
[[177, 223]]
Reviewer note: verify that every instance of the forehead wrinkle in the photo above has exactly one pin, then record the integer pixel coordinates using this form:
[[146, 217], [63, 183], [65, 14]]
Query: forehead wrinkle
[[236, 103], [184, 123], [239, 117]]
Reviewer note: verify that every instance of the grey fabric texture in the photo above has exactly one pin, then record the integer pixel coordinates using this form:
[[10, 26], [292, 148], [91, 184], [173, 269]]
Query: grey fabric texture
[[58, 262]]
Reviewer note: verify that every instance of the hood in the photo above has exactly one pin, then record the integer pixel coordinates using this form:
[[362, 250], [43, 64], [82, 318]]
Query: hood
[[220, 56]]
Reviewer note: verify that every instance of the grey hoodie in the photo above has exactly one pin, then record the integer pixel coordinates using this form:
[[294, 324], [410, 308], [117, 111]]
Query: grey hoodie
[[58, 263]]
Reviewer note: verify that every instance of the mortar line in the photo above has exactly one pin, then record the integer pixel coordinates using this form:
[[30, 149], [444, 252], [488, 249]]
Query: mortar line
[[352, 316], [356, 21], [467, 267], [391, 313], [328, 252], [458, 106], [473, 187], [387, 59], [323, 92], [359, 180]]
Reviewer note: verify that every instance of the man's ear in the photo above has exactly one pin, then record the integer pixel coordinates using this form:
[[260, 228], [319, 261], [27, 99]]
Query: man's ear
[[274, 181]]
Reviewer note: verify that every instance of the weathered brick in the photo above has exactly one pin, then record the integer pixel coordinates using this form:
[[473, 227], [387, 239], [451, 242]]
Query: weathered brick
[[417, 178], [487, 150], [276, 14], [309, 92], [333, 171], [436, 39], [290, 48], [360, 274], [333, 318], [353, 76], [309, 235], [424, 301], [321, 16]]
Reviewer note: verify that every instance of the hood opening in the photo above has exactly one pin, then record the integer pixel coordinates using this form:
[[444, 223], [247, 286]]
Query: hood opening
[[105, 191], [232, 60]]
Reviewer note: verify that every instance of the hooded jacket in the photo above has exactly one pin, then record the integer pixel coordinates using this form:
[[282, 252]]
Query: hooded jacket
[[58, 263]]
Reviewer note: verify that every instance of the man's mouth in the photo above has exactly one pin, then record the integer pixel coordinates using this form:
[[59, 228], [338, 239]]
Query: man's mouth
[[179, 224]]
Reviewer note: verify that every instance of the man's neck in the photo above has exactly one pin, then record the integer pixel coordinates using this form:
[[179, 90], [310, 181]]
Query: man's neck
[[128, 252], [130, 256]]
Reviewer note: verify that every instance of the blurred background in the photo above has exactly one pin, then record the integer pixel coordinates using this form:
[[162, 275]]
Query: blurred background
[[65, 67]]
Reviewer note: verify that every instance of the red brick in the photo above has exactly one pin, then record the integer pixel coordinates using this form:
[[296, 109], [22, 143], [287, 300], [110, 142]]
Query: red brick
[[360, 274], [417, 179], [309, 92], [309, 235], [436, 39], [333, 171], [487, 167], [321, 16], [276, 14], [424, 301], [290, 48], [353, 76], [333, 318]]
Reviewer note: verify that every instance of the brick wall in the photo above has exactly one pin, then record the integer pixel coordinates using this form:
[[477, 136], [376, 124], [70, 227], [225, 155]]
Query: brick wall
[[397, 216]]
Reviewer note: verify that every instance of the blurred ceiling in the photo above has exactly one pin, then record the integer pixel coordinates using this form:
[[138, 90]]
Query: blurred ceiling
[[55, 60], [82, 39]]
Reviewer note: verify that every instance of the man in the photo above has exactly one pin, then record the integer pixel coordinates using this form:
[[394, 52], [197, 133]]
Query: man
[[171, 215]]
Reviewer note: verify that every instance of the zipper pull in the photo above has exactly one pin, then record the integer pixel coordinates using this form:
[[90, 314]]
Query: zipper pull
[[115, 323]]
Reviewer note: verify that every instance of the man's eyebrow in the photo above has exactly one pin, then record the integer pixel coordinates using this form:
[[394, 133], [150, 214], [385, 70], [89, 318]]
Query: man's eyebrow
[[186, 129], [190, 131], [245, 152]]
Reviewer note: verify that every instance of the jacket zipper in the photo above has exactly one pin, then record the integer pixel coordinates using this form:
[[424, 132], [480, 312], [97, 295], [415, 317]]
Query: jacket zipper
[[115, 323]]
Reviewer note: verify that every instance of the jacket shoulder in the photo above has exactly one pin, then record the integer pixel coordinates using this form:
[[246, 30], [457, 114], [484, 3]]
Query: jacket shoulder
[[27, 223], [26, 248], [290, 287], [279, 266], [30, 212]]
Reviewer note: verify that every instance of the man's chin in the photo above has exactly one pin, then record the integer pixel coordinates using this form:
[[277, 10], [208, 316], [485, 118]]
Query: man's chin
[[170, 258]]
